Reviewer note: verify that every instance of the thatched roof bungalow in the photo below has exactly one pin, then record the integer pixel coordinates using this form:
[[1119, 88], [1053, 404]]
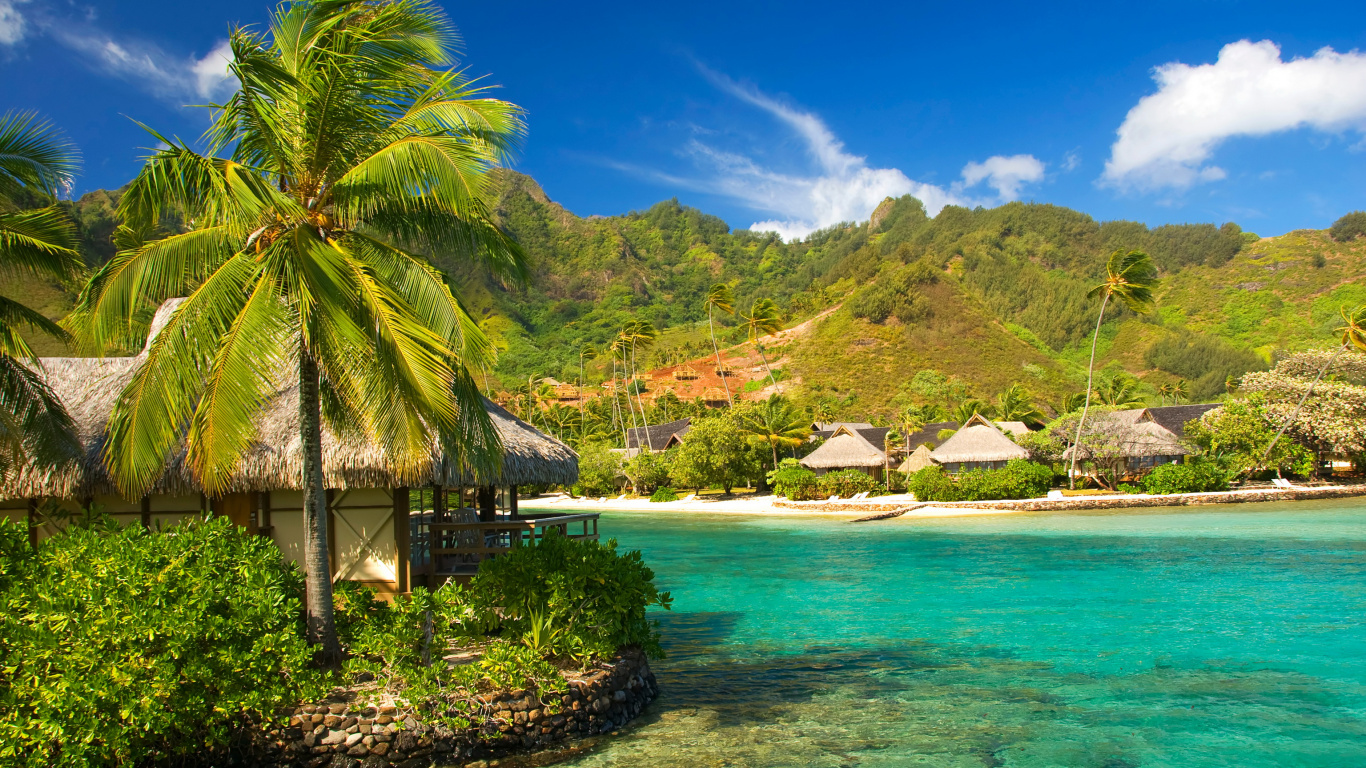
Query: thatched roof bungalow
[[366, 498], [657, 437], [979, 444], [1128, 442], [918, 460], [847, 449]]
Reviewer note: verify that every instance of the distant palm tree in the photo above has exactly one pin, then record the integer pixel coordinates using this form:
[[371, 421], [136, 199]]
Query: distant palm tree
[[891, 443], [586, 352], [350, 146], [764, 318], [719, 299], [1129, 279], [1014, 404], [1179, 392], [775, 422], [972, 407], [1070, 403], [640, 333], [34, 157], [1165, 391], [1119, 392]]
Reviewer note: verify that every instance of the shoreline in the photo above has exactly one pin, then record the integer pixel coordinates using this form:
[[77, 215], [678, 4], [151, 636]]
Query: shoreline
[[905, 506]]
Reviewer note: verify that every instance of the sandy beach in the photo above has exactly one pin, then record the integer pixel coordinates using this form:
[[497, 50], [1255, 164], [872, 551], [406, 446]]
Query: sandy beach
[[753, 505]]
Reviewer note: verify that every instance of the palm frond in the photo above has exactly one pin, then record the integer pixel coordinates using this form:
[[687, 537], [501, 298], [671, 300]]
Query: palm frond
[[12, 316], [33, 423], [39, 242], [34, 154]]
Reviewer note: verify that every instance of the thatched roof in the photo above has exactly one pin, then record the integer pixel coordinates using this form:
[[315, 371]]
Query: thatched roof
[[979, 440], [1012, 427], [90, 386], [929, 434], [1123, 437], [844, 450], [918, 460], [1173, 418]]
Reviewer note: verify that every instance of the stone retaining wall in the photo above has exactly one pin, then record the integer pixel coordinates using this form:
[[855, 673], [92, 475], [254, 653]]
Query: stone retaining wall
[[341, 734]]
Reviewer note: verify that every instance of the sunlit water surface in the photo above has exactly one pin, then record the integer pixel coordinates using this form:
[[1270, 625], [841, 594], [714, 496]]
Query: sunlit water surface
[[1228, 636]]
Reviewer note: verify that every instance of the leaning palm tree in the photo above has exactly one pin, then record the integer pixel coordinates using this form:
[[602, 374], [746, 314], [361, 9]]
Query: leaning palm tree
[[34, 158], [1129, 279], [775, 422], [349, 146], [1164, 391], [719, 299], [763, 319], [640, 334]]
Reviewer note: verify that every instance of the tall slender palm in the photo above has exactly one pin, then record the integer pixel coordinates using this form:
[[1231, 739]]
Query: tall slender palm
[[640, 334], [720, 300], [619, 346], [586, 352], [764, 318], [775, 422], [348, 146], [34, 427], [1129, 279]]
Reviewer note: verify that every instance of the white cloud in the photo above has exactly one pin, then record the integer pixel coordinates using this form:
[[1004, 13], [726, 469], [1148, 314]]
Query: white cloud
[[12, 24], [212, 77], [1070, 161], [1168, 137], [1004, 174]]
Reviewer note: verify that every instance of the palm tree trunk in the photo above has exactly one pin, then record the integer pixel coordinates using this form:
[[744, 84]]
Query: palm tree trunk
[[635, 384], [719, 367], [322, 627], [763, 357], [580, 395], [1090, 371], [1295, 414]]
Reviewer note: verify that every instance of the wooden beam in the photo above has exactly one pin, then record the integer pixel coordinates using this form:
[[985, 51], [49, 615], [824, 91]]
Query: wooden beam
[[401, 540], [33, 523], [512, 501], [147, 512]]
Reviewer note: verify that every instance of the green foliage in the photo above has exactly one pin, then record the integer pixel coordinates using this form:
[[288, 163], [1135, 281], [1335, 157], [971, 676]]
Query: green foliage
[[595, 596], [1197, 475], [1205, 360], [664, 494], [123, 647], [793, 481], [1239, 434], [714, 453], [1349, 227], [648, 470], [896, 294], [1019, 479], [599, 468], [844, 483]]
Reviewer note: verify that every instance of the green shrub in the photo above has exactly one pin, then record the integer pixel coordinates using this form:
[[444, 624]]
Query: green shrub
[[793, 481], [599, 468], [122, 646], [1196, 476], [664, 494], [1019, 479], [1349, 227], [844, 483], [1129, 488], [582, 597], [648, 470]]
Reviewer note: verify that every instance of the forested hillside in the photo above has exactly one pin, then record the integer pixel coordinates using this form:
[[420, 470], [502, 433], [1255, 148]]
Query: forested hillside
[[985, 298]]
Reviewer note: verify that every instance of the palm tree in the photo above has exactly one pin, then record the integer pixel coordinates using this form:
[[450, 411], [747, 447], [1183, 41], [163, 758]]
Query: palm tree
[[972, 407], [1129, 279], [891, 442], [1179, 392], [586, 352], [776, 422], [1119, 392], [1164, 391], [719, 299], [1070, 403], [34, 158], [618, 348], [348, 146], [640, 333], [1014, 404], [763, 318]]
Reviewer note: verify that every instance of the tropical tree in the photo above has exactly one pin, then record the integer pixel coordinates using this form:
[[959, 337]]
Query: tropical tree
[[892, 442], [34, 158], [586, 352], [720, 300], [775, 422], [1180, 391], [1164, 391], [763, 319], [1014, 404], [1119, 392], [640, 334], [1129, 279], [972, 407], [349, 147]]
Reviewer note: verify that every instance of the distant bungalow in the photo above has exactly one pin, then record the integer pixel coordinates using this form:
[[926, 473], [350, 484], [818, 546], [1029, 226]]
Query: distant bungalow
[[980, 444], [657, 437], [365, 499], [850, 446]]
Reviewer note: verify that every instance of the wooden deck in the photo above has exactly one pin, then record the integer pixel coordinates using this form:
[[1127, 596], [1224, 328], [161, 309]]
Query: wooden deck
[[457, 548]]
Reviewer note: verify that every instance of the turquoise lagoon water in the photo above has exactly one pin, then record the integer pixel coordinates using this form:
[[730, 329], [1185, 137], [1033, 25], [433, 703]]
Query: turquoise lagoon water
[[1229, 636]]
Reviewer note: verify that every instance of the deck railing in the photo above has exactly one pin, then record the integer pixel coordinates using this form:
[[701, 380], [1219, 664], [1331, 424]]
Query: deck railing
[[456, 549]]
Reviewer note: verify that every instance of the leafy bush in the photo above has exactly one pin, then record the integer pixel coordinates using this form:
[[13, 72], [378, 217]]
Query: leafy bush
[[599, 469], [1196, 476], [664, 494], [845, 483], [1019, 479], [648, 470], [793, 481], [1129, 488], [896, 293], [583, 598], [1349, 227], [121, 646]]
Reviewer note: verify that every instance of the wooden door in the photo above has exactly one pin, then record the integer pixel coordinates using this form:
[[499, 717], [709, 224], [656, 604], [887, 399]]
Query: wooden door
[[237, 507]]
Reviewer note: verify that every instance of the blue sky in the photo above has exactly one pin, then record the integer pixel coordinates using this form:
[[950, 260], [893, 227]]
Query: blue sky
[[796, 115]]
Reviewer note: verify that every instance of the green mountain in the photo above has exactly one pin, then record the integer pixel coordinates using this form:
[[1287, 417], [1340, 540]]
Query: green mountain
[[985, 297]]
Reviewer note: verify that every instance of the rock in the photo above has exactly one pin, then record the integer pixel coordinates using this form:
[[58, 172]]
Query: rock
[[334, 737], [332, 721], [352, 729], [368, 741], [384, 719], [383, 736], [316, 719], [348, 722], [310, 740], [405, 741], [519, 718], [388, 710], [380, 748], [533, 715], [353, 739], [336, 709], [410, 723], [619, 696], [557, 720]]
